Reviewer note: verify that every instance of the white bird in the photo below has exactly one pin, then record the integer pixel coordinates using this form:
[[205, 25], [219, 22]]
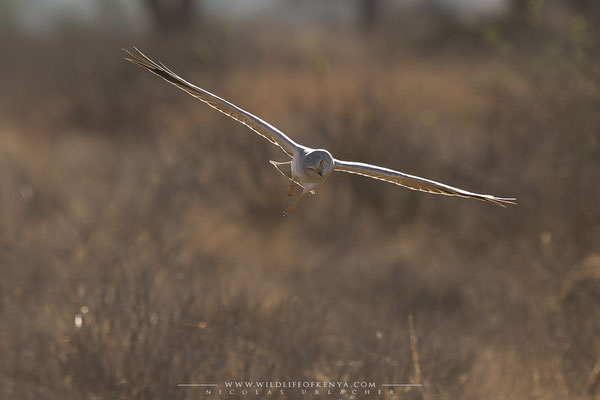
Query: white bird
[[308, 167]]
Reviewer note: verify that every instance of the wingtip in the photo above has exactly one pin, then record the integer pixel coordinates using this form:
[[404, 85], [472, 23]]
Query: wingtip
[[136, 62], [502, 201], [131, 57]]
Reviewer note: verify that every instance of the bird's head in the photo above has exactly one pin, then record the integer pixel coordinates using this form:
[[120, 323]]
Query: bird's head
[[318, 162]]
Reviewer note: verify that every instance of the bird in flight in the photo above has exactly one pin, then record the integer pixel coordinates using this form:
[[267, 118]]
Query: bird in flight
[[308, 167]]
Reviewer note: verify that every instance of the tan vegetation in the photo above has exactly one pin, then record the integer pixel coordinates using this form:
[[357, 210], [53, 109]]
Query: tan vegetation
[[139, 249]]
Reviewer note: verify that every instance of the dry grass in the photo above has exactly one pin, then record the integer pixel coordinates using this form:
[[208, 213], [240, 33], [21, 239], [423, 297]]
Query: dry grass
[[111, 213]]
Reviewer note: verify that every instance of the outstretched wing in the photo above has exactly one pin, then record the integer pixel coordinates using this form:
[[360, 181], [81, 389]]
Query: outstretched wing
[[415, 182], [259, 126]]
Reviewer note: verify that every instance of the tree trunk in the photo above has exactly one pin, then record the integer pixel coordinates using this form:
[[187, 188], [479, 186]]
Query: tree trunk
[[171, 14], [369, 13]]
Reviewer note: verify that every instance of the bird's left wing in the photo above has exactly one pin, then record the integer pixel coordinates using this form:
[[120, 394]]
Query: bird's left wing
[[259, 126], [415, 182]]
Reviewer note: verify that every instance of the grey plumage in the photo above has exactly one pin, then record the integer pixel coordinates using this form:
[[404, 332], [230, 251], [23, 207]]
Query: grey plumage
[[309, 167]]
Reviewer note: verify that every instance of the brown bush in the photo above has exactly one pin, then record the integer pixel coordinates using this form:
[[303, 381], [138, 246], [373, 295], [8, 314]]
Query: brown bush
[[142, 243]]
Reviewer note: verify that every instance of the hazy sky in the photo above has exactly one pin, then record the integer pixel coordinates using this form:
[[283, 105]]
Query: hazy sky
[[34, 15]]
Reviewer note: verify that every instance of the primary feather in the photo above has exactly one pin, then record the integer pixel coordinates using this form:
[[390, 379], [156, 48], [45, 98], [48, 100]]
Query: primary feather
[[415, 182], [259, 126]]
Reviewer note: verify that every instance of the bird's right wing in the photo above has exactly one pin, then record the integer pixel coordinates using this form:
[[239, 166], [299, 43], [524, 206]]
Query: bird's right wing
[[259, 126], [415, 182]]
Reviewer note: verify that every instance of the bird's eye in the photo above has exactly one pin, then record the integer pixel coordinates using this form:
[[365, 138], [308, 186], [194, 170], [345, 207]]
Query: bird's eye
[[311, 169], [321, 163]]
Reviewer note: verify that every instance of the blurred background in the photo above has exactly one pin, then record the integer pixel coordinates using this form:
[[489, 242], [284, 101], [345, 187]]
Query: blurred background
[[141, 237]]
